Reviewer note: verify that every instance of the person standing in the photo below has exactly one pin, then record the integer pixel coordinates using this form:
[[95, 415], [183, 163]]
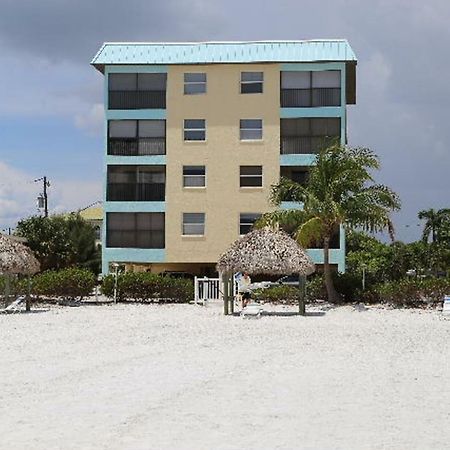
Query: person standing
[[244, 289]]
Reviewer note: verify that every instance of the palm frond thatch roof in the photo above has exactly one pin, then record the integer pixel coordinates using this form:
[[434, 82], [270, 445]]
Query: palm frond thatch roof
[[16, 257], [266, 251]]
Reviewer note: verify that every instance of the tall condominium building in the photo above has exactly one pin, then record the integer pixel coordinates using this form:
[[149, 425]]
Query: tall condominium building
[[196, 134]]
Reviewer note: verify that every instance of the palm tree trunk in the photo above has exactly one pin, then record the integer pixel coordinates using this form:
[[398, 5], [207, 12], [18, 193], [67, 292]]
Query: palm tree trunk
[[333, 296]]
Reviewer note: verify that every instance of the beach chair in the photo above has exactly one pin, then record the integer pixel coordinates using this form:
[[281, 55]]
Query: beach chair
[[15, 306], [446, 305], [252, 311]]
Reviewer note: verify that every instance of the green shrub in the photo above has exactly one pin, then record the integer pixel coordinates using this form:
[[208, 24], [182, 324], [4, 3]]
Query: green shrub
[[149, 287], [17, 285], [347, 285], [278, 294], [315, 289], [415, 292], [68, 283]]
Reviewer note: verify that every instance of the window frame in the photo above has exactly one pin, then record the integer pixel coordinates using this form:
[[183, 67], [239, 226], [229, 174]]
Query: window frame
[[247, 223], [195, 83], [241, 129], [193, 129], [192, 176], [183, 224], [251, 176], [251, 82]]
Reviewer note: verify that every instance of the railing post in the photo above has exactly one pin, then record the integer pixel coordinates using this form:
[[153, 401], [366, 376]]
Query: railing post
[[195, 290]]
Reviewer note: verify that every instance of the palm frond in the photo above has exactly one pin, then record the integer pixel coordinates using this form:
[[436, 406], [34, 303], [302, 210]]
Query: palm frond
[[287, 190], [287, 218], [311, 231]]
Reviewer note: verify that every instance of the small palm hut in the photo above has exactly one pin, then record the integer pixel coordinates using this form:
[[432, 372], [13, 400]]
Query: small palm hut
[[267, 252], [16, 258]]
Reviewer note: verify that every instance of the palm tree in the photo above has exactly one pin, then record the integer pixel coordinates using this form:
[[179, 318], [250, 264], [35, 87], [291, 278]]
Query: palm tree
[[437, 223], [340, 191]]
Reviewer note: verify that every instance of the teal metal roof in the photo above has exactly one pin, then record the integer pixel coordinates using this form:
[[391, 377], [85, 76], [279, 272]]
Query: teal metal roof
[[223, 52]]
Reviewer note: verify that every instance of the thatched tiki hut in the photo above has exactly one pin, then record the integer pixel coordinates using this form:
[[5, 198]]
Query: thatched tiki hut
[[266, 252], [16, 258]]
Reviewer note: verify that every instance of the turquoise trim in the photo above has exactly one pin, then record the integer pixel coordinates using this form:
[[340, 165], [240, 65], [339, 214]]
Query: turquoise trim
[[297, 160], [134, 206], [122, 114], [136, 69], [131, 255], [148, 160], [337, 256], [291, 205], [322, 111], [312, 67]]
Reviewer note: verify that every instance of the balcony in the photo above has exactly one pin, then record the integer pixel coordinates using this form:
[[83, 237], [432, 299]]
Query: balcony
[[306, 98], [140, 192], [136, 238], [136, 99], [303, 145], [137, 147], [135, 230]]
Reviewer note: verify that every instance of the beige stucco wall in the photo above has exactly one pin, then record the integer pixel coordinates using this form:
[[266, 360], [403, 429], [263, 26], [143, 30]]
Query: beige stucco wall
[[222, 200]]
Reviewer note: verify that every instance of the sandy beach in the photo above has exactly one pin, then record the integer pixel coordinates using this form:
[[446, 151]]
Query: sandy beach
[[185, 377]]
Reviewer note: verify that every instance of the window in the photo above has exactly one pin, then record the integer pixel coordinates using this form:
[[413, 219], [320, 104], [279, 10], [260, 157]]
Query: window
[[251, 176], [193, 224], [252, 82], [250, 129], [136, 137], [194, 130], [194, 83], [136, 90], [135, 230], [308, 135], [306, 89], [194, 176], [137, 81], [246, 221], [135, 183]]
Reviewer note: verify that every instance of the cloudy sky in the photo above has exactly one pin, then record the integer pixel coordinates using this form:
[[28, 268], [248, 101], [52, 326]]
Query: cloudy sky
[[50, 97]]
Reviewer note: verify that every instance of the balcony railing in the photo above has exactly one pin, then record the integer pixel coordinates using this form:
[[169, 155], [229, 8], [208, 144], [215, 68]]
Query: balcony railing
[[136, 192], [304, 98], [135, 238], [304, 144], [137, 100], [136, 147]]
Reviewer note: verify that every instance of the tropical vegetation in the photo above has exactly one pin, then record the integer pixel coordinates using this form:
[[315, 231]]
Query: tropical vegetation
[[61, 241], [340, 192]]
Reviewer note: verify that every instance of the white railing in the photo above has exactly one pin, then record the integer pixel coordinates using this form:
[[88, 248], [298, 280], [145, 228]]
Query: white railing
[[206, 289]]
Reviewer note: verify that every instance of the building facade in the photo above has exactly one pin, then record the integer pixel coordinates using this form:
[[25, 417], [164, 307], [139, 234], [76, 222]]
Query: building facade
[[196, 134]]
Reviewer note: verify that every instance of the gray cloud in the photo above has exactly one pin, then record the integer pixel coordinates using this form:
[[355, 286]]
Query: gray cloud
[[402, 70], [74, 30]]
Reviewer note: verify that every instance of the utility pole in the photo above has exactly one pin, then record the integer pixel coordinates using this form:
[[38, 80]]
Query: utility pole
[[44, 196]]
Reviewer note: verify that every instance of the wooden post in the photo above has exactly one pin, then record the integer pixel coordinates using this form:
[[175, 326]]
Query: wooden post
[[231, 291], [195, 290], [7, 289], [28, 298], [301, 294], [225, 293]]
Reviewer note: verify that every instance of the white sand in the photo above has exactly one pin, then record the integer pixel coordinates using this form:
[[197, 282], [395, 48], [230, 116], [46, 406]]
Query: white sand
[[185, 377]]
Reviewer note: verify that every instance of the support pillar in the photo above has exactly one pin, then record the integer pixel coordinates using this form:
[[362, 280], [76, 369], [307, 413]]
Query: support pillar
[[28, 296], [301, 295], [231, 293], [225, 293]]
